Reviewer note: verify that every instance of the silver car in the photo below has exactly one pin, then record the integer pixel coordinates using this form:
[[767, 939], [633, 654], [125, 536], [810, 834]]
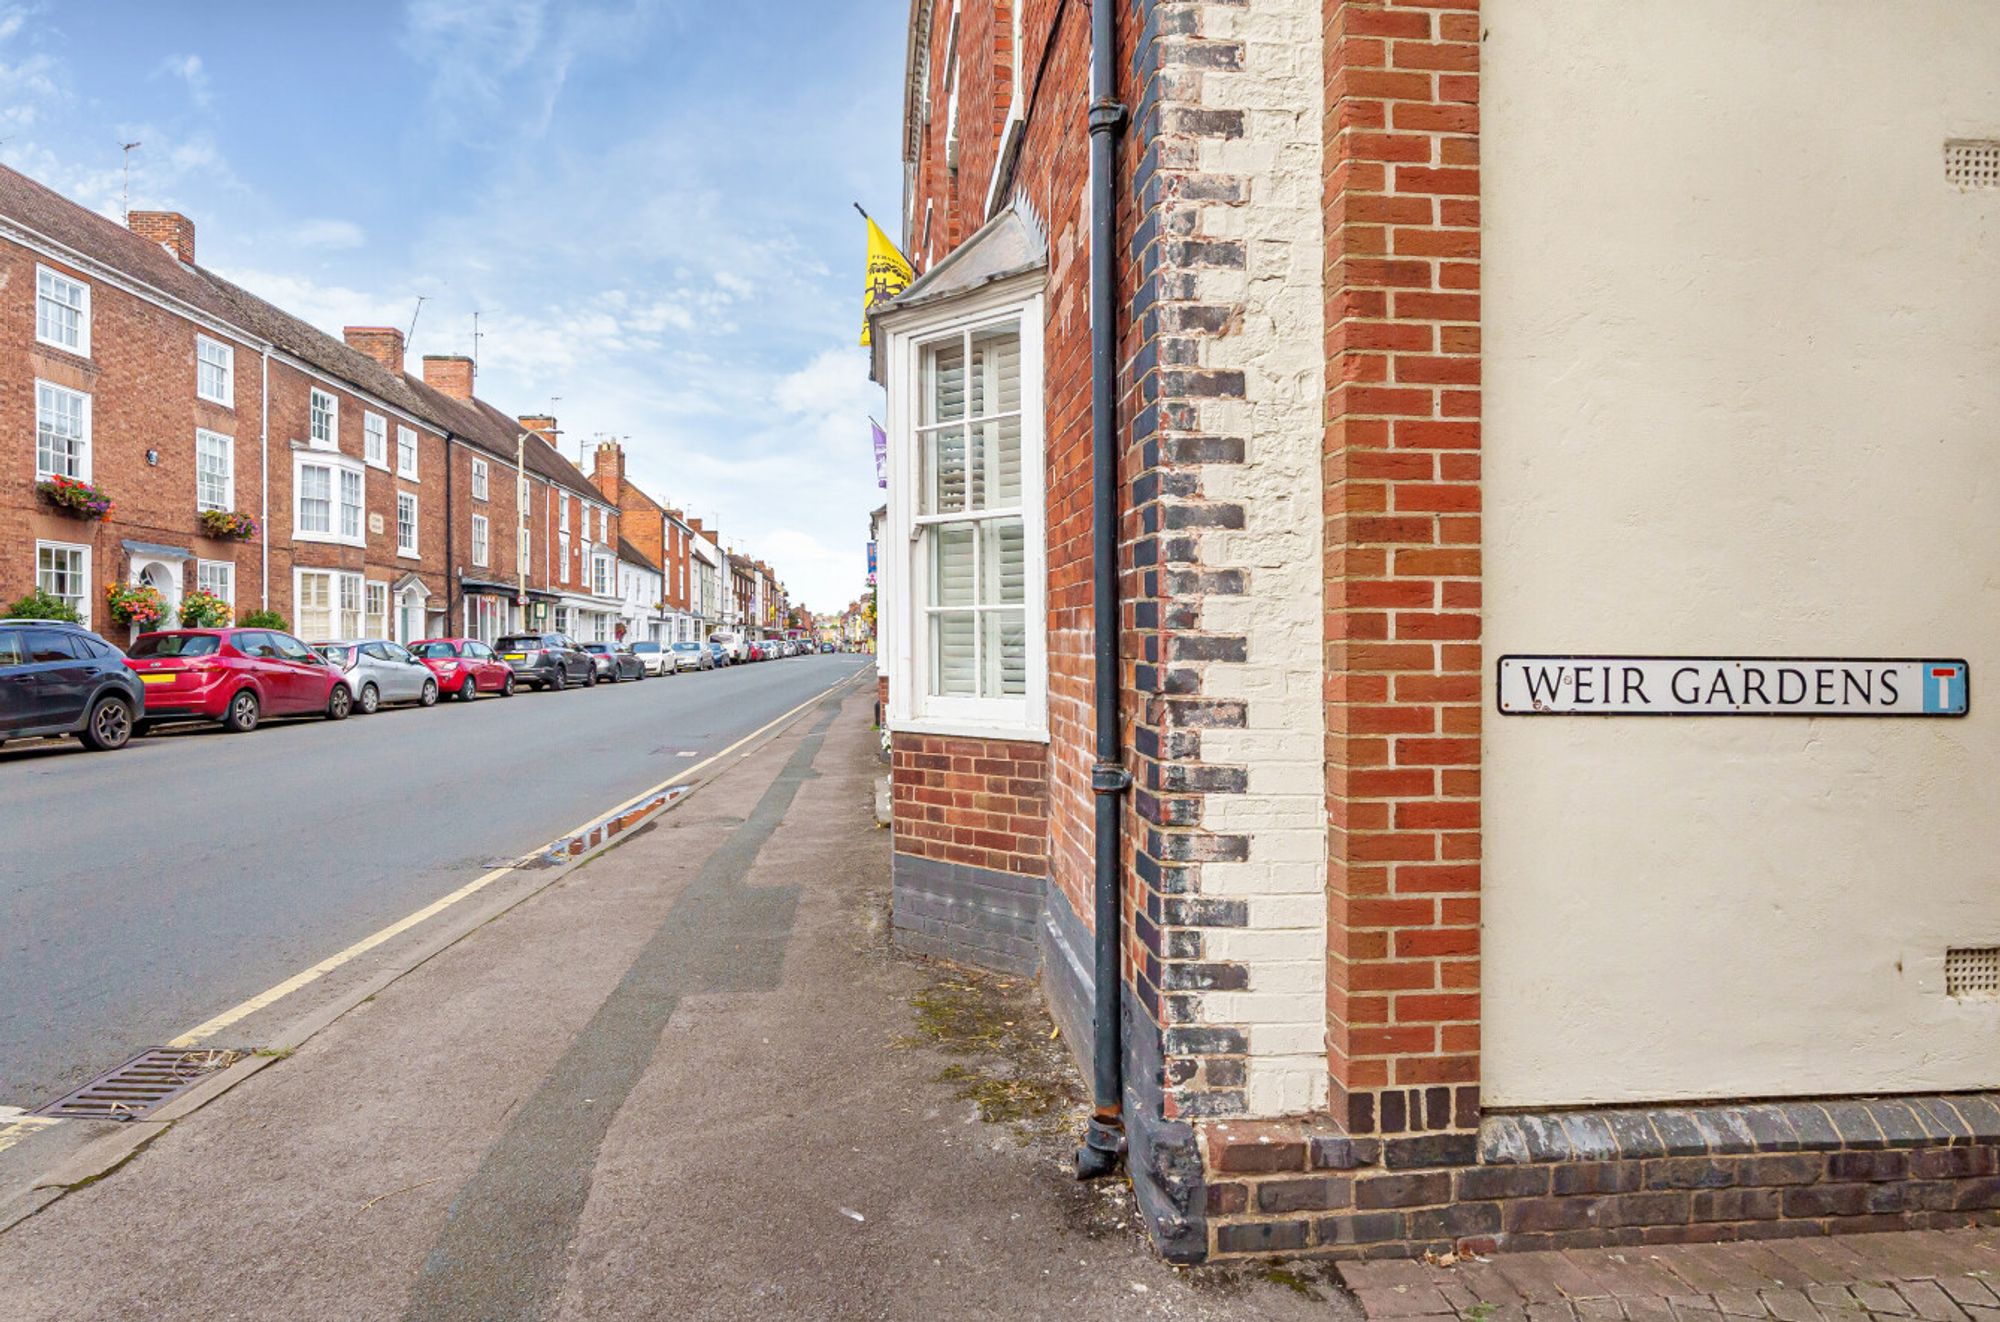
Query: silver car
[[381, 671]]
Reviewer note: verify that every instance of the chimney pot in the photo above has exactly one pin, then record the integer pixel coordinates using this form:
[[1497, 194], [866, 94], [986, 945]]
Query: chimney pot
[[382, 343], [449, 374], [170, 229]]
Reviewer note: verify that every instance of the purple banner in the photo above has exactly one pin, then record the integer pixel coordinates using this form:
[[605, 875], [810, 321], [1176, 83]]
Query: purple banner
[[881, 453]]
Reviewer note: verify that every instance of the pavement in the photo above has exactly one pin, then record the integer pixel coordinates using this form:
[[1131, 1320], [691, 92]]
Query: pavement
[[688, 1078], [1931, 1275], [147, 890]]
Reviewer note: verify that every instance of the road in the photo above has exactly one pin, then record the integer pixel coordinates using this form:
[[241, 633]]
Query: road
[[145, 890]]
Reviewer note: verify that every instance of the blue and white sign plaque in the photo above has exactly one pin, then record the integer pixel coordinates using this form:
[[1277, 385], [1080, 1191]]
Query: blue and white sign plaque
[[1730, 686]]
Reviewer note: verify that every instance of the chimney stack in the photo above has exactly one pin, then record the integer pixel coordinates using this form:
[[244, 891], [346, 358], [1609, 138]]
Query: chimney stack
[[607, 465], [449, 374], [382, 343], [542, 425], [170, 229]]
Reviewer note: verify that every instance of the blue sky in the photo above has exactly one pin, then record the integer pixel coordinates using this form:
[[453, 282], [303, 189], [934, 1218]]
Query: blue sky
[[647, 202]]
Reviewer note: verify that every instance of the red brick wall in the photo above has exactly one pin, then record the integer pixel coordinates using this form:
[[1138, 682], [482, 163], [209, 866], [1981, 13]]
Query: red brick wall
[[1403, 558], [980, 802], [140, 376]]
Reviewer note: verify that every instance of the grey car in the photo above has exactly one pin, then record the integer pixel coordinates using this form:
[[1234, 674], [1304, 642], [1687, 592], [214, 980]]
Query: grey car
[[615, 661], [380, 672]]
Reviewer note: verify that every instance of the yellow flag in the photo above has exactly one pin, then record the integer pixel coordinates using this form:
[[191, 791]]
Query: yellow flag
[[889, 273]]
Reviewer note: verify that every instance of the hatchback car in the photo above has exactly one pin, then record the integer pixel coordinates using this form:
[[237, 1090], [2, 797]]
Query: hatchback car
[[466, 667], [692, 656], [381, 672], [59, 678], [235, 676], [547, 660], [656, 657], [719, 654], [615, 661]]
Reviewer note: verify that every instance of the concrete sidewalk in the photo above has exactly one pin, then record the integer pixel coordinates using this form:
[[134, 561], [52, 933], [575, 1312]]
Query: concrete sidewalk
[[689, 1080]]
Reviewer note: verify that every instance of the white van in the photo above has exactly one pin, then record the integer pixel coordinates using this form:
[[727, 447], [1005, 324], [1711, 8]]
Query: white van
[[733, 643]]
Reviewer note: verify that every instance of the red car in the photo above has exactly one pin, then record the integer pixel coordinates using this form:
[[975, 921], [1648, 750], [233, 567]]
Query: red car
[[235, 676], [465, 667]]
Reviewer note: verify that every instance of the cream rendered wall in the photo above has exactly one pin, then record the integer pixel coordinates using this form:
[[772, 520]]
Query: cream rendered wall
[[1743, 396], [1279, 346]]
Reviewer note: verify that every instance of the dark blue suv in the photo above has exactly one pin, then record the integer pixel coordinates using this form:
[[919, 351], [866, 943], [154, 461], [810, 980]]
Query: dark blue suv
[[58, 678]]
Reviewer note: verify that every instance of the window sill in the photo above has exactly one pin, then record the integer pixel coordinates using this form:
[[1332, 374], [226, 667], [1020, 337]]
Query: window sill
[[228, 405], [379, 465], [328, 539], [408, 477], [969, 729], [407, 555], [77, 355]]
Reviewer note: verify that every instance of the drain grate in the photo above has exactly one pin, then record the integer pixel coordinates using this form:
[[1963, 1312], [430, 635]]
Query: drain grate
[[148, 1080]]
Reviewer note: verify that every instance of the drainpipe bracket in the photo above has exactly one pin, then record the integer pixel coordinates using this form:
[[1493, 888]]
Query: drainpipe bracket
[[1107, 116], [1110, 778]]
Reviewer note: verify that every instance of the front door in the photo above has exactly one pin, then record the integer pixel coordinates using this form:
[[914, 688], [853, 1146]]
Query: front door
[[409, 617]]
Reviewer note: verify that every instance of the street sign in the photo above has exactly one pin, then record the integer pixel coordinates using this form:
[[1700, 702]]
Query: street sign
[[1730, 686]]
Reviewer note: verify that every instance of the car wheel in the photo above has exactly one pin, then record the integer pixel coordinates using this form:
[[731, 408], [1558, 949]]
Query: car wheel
[[241, 717], [339, 703], [371, 700], [429, 696], [468, 690], [590, 677], [561, 680], [110, 725], [507, 687]]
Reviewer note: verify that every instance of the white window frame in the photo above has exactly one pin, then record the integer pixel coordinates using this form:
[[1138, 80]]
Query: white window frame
[[83, 462], [407, 551], [601, 575], [342, 587], [82, 309], [227, 502], [221, 573], [375, 440], [479, 479], [406, 448], [336, 464], [480, 540], [89, 591], [904, 563], [331, 441], [227, 367], [370, 617]]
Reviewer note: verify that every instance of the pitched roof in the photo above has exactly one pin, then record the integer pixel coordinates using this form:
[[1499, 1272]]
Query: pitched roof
[[53, 216], [627, 551]]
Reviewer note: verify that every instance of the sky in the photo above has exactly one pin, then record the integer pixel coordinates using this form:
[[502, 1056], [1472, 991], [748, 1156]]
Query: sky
[[646, 202]]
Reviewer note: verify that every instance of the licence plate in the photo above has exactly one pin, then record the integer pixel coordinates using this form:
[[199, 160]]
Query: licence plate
[[516, 656], [156, 679]]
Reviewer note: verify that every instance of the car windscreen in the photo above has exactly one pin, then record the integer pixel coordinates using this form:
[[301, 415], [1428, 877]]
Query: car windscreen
[[520, 643], [687, 647], [175, 644], [435, 651], [599, 648], [340, 656], [645, 647]]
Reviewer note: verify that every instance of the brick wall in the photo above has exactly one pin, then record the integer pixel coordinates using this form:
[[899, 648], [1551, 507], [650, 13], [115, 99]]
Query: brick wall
[[1402, 551], [980, 802]]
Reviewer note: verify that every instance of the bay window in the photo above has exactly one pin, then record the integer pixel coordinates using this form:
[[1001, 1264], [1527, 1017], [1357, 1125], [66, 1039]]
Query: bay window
[[967, 555], [327, 497]]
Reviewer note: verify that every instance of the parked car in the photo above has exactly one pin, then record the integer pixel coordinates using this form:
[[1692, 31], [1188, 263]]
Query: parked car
[[692, 656], [235, 676], [466, 667], [656, 657], [719, 653], [615, 661], [547, 660], [59, 678], [827, 649], [733, 643], [381, 672]]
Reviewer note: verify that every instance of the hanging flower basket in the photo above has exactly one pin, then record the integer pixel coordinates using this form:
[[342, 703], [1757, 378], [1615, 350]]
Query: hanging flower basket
[[204, 610], [72, 497], [227, 524], [135, 604]]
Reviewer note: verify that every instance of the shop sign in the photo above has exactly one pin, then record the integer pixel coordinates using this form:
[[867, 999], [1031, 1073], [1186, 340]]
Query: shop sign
[[1730, 686]]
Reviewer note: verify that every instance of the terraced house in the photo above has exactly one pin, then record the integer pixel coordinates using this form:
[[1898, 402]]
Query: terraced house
[[1276, 423], [178, 432]]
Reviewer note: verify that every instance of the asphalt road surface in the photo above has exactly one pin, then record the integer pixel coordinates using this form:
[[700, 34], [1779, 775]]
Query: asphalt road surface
[[143, 891]]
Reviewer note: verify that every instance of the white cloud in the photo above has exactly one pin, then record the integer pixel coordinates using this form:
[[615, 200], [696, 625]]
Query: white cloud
[[327, 233], [188, 69]]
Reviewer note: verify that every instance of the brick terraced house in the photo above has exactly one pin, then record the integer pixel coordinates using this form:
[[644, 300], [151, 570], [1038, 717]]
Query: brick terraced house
[[385, 503], [1448, 341]]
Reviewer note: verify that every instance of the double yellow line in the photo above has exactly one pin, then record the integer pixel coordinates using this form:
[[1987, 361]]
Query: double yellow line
[[271, 995]]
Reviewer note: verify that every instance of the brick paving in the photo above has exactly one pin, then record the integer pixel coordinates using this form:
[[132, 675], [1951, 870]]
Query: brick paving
[[1917, 1276]]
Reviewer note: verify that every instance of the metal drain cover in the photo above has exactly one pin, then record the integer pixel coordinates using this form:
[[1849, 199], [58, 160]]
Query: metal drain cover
[[143, 1083]]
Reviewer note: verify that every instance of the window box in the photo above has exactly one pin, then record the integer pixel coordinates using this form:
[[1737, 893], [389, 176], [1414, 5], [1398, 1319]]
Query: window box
[[227, 524], [78, 499]]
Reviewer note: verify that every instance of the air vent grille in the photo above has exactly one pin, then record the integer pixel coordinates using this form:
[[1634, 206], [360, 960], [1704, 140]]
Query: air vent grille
[[1972, 972], [1972, 163]]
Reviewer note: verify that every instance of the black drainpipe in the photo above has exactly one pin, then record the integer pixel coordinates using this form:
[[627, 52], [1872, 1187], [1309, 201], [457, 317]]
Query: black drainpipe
[[451, 621], [1104, 1141]]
